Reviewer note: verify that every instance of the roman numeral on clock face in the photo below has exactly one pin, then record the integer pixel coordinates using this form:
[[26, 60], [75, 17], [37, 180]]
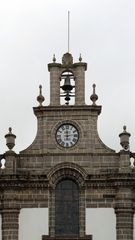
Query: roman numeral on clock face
[[67, 135]]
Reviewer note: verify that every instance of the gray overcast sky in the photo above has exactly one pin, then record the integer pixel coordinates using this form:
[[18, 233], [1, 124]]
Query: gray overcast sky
[[32, 30]]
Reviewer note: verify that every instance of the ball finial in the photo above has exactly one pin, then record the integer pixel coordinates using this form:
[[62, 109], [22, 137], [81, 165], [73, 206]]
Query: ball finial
[[80, 58], [94, 96], [124, 128], [40, 98], [54, 58]]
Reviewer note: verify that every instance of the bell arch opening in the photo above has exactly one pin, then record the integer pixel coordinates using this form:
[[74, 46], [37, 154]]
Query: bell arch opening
[[67, 208], [67, 88]]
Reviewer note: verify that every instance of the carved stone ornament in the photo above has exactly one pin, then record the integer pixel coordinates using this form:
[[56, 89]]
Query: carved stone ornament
[[67, 59]]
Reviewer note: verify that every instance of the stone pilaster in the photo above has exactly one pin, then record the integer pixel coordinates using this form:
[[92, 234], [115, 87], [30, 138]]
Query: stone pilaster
[[11, 162], [82, 212], [10, 224], [51, 212], [124, 223], [124, 162], [124, 214]]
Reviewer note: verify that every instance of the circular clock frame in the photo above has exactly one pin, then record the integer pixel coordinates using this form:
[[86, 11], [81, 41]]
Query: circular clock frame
[[67, 135]]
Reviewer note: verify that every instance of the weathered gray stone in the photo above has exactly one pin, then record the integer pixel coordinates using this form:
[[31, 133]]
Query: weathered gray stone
[[103, 176]]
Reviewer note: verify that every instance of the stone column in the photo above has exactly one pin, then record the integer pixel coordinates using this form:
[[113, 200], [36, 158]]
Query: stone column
[[79, 71], [10, 224], [54, 69], [124, 223]]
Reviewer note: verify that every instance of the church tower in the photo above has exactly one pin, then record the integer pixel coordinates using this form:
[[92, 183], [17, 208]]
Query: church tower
[[67, 168]]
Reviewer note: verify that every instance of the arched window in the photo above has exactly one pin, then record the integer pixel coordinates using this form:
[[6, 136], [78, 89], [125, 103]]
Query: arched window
[[67, 208]]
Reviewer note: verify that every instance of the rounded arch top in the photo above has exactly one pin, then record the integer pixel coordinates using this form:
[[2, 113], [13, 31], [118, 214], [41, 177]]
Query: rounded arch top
[[67, 170]]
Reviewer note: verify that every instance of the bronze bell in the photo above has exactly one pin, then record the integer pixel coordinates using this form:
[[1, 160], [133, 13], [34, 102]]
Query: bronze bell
[[67, 98], [67, 85]]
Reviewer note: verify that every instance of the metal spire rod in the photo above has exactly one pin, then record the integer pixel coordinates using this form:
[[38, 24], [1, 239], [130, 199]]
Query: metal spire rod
[[68, 29]]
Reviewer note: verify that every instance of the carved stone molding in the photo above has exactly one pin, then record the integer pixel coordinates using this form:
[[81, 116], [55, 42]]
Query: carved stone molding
[[67, 170]]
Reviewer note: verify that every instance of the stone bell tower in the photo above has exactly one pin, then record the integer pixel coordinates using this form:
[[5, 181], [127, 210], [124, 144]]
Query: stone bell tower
[[67, 168], [78, 74]]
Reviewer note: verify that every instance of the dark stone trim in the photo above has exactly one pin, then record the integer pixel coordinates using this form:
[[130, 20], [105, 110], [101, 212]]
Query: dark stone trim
[[90, 154], [86, 237]]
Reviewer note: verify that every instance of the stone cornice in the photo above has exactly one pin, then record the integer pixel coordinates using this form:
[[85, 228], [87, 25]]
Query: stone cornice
[[62, 66], [26, 181], [52, 65], [90, 154], [75, 108], [111, 180], [18, 181]]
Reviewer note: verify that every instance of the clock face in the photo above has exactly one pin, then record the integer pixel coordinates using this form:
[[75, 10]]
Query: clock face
[[67, 135]]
